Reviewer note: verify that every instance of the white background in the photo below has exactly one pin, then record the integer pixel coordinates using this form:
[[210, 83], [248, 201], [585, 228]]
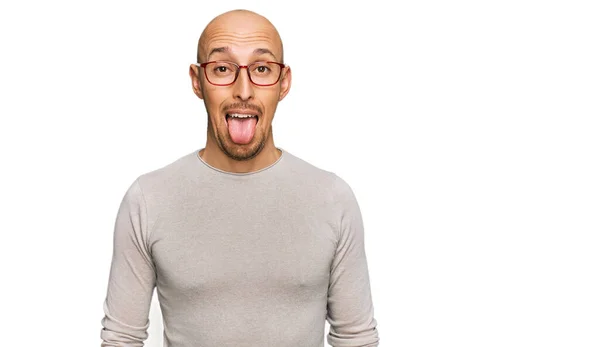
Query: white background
[[469, 131]]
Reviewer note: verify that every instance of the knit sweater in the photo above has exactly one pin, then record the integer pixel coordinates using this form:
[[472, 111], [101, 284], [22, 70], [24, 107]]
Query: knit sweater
[[257, 259]]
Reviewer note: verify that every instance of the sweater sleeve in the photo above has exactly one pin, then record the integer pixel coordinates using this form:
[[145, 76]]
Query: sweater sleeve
[[132, 276], [349, 305]]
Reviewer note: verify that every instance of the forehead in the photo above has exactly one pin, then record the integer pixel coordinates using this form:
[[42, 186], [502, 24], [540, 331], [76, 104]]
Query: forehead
[[240, 37]]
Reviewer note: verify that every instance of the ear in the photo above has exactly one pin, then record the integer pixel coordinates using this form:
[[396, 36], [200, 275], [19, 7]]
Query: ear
[[196, 84], [286, 82]]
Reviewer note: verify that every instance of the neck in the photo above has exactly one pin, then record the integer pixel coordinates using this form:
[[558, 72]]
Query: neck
[[215, 157]]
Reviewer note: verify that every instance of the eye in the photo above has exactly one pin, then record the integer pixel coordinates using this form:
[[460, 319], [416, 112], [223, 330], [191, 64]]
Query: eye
[[262, 68], [222, 68]]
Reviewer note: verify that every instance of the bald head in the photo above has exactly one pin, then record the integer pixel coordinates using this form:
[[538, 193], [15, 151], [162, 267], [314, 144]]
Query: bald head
[[239, 27]]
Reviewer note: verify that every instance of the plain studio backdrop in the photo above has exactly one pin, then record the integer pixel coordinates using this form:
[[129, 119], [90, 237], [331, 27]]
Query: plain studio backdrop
[[468, 130]]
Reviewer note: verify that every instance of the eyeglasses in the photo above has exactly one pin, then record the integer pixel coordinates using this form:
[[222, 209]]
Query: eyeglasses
[[225, 73]]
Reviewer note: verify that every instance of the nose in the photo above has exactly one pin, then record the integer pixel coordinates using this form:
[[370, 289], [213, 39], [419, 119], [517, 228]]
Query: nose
[[243, 88]]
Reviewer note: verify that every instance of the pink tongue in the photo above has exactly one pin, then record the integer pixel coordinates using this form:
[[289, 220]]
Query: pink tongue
[[241, 130]]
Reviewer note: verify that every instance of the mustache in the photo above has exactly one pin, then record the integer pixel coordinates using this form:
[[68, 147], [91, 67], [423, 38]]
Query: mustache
[[244, 106]]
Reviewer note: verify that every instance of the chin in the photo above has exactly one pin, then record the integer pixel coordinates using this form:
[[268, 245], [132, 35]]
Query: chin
[[241, 151]]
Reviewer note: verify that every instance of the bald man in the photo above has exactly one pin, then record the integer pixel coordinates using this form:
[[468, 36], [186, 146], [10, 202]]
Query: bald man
[[246, 244]]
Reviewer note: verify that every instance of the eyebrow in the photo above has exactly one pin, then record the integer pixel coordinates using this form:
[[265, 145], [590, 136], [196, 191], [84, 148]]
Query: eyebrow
[[219, 50], [258, 51]]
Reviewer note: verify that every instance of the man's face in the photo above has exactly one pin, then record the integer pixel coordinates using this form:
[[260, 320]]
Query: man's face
[[242, 39]]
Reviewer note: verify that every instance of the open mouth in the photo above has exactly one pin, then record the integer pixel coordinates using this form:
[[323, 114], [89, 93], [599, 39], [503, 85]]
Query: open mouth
[[241, 126], [239, 116]]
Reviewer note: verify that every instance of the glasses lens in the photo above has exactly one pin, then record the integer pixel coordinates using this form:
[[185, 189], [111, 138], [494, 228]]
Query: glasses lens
[[264, 73], [220, 72]]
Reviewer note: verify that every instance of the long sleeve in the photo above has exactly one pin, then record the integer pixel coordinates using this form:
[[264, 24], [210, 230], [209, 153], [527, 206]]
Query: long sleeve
[[350, 310], [132, 276]]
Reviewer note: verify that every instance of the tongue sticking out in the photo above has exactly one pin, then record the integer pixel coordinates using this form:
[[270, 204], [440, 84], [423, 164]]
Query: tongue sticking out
[[241, 130]]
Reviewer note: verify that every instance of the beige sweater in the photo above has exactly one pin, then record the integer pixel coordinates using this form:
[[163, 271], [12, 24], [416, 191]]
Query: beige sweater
[[257, 259]]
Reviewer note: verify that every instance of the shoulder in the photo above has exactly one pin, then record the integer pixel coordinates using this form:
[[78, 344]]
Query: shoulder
[[156, 185], [328, 182], [174, 171]]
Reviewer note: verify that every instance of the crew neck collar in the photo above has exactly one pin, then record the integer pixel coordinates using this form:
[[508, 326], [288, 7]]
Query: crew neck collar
[[251, 173]]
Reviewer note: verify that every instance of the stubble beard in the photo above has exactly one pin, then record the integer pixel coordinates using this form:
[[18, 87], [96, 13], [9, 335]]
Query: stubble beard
[[236, 151]]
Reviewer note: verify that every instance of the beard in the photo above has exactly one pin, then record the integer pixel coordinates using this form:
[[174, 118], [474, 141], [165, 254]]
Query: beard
[[236, 151]]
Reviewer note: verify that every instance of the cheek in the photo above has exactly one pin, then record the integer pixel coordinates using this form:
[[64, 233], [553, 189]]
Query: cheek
[[270, 99], [214, 99]]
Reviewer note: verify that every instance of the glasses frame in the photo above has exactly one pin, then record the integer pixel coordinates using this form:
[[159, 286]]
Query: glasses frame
[[237, 72]]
